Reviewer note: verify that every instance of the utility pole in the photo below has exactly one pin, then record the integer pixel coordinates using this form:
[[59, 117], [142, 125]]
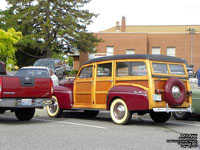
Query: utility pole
[[192, 32]]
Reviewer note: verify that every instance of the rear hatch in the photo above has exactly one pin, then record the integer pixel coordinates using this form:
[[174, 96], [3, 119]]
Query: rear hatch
[[171, 83], [15, 87]]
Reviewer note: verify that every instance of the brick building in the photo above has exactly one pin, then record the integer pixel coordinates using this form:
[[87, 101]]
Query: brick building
[[175, 40]]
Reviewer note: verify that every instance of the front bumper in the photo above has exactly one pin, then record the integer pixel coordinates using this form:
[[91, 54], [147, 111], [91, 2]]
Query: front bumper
[[26, 102], [168, 109]]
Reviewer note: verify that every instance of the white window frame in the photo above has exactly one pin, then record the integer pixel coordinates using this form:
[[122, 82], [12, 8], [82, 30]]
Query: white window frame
[[171, 51], [156, 50], [110, 50], [130, 51]]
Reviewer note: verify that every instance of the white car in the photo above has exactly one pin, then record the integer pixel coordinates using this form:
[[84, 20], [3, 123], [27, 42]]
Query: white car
[[34, 71]]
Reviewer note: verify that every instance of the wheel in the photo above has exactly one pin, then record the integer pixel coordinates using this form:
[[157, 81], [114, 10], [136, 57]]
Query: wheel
[[160, 117], [119, 112], [91, 113], [181, 115], [174, 91], [54, 111], [25, 114]]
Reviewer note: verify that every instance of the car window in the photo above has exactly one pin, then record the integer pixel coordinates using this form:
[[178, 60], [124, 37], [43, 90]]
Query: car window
[[131, 69], [49, 64], [104, 70], [176, 69], [160, 68], [40, 73], [86, 72]]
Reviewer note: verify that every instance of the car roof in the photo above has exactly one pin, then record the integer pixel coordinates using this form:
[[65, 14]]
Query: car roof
[[35, 67], [48, 59], [138, 56]]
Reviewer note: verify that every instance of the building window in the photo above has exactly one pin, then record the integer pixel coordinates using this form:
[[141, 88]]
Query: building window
[[171, 51], [156, 50], [130, 51], [110, 50]]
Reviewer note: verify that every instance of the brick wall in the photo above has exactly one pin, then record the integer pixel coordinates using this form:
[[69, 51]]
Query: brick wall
[[142, 43]]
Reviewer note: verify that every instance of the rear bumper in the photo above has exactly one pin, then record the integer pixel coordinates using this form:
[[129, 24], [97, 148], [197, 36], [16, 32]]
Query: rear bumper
[[168, 109], [26, 102]]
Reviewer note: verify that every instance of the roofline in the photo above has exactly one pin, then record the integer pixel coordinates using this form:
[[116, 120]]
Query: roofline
[[137, 56]]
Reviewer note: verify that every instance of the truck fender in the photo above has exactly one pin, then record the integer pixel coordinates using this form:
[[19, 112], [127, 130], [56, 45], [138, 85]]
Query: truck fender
[[135, 98], [64, 96]]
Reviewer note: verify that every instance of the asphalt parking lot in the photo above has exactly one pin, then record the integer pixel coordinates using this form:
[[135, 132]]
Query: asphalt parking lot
[[73, 131]]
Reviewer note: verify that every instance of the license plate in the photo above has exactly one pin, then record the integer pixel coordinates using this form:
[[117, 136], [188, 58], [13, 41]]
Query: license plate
[[26, 102], [156, 97]]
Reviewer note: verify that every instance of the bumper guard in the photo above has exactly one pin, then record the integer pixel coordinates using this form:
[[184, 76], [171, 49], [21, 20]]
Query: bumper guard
[[168, 109]]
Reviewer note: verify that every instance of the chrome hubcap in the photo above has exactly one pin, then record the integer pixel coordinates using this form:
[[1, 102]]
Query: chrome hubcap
[[176, 92], [119, 111], [53, 108]]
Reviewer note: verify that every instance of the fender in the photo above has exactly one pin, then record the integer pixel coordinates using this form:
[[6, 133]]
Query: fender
[[64, 96], [135, 98]]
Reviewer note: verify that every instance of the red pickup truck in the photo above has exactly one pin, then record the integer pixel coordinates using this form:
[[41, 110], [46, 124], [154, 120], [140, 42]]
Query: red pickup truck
[[22, 94]]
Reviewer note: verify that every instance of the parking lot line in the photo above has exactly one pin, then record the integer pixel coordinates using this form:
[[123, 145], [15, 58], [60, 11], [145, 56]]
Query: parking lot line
[[71, 123], [175, 122]]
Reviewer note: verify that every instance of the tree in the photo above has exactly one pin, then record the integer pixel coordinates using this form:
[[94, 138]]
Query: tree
[[50, 26], [7, 42]]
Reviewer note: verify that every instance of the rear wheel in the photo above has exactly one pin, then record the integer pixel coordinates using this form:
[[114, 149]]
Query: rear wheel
[[160, 117], [91, 113], [119, 112], [25, 114], [181, 115], [54, 111]]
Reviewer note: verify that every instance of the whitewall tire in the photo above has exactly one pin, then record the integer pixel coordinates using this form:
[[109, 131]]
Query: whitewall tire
[[54, 111], [119, 112]]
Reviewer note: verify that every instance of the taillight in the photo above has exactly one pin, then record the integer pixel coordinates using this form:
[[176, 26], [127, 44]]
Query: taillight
[[0, 86], [51, 87]]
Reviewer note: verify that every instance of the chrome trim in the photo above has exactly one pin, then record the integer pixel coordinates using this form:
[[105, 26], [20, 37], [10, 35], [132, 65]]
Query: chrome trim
[[167, 109], [17, 103]]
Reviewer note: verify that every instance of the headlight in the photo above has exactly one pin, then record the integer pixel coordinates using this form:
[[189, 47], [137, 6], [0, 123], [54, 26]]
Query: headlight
[[176, 92]]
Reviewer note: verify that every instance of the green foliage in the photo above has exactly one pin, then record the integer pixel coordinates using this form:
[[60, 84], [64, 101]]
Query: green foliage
[[7, 50], [49, 27], [70, 61], [72, 73]]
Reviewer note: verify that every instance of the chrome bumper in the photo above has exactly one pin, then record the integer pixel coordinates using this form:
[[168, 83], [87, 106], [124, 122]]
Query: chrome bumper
[[32, 102], [168, 109]]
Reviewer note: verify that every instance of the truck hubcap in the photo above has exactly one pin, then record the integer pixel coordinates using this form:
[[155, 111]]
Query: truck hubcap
[[119, 111]]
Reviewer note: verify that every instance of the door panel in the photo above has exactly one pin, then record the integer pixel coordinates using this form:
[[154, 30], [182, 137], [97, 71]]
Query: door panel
[[83, 88], [104, 81]]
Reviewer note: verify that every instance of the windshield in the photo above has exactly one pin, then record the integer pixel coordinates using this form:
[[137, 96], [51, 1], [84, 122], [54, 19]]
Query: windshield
[[175, 69], [40, 73], [49, 64]]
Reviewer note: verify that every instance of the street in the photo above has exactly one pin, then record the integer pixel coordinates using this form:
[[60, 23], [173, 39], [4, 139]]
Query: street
[[74, 132]]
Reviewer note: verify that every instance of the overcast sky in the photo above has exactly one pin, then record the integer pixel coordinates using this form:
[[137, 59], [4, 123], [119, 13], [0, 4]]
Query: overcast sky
[[142, 12]]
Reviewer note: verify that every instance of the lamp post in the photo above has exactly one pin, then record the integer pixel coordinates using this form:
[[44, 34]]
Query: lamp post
[[192, 32]]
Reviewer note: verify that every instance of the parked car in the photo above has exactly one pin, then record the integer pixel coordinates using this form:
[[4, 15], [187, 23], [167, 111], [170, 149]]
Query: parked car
[[55, 64], [190, 69], [195, 104], [126, 84], [35, 71], [22, 94]]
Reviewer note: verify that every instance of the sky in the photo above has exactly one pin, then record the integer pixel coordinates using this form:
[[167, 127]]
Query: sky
[[141, 12]]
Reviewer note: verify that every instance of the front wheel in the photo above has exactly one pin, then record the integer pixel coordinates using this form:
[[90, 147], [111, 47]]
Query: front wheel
[[25, 114], [54, 111], [160, 117], [119, 112], [181, 115]]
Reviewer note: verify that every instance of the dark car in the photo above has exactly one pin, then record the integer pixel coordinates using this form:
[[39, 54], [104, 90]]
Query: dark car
[[55, 64], [190, 69]]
